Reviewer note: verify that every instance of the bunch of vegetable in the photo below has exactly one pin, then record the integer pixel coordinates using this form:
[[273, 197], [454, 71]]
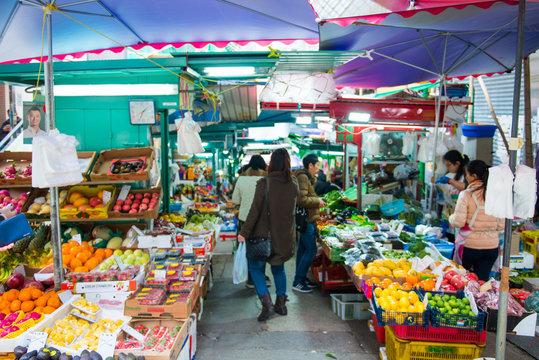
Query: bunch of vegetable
[[334, 201], [522, 274]]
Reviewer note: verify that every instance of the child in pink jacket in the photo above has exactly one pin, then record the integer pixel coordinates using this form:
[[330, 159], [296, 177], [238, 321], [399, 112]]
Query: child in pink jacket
[[479, 229]]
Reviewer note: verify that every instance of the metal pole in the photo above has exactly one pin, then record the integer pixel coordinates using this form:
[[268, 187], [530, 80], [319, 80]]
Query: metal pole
[[504, 280], [345, 173], [359, 171], [527, 114], [165, 173], [436, 125], [51, 123]]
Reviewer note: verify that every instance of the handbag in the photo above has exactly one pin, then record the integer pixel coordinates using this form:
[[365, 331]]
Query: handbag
[[302, 218], [14, 229], [260, 248]]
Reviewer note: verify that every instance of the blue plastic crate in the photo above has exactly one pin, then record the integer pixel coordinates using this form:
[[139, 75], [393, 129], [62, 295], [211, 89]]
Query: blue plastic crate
[[393, 208], [457, 321], [444, 247], [478, 130]]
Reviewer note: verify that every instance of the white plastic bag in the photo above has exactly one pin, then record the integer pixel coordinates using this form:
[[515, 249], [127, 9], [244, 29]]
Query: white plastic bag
[[371, 144], [239, 273], [499, 194], [188, 138], [55, 161], [525, 192], [407, 143]]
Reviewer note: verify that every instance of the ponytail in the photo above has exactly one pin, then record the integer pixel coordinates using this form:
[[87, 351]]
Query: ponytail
[[453, 156], [480, 169]]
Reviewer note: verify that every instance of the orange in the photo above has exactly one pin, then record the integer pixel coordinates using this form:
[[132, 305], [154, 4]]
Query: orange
[[82, 257], [3, 303], [36, 293], [92, 263], [81, 269], [108, 253], [48, 310], [74, 196], [91, 249], [6, 310], [100, 194], [88, 253], [75, 263], [385, 283], [412, 278], [99, 258], [11, 295], [75, 250], [99, 252], [38, 309], [66, 259], [73, 243], [406, 286], [25, 294], [42, 301], [15, 305], [27, 306], [54, 302], [85, 245]]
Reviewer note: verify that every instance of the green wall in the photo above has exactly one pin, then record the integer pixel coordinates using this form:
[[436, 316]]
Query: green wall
[[102, 122]]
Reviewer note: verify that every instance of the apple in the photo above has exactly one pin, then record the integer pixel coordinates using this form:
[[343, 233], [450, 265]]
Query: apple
[[138, 253], [154, 200], [138, 196], [450, 288], [141, 261], [471, 276], [134, 206], [147, 195], [458, 282], [128, 252], [120, 202], [117, 252], [450, 274], [136, 202], [145, 201], [94, 201], [151, 206], [133, 211], [130, 196], [128, 202], [155, 195], [117, 208], [126, 208]]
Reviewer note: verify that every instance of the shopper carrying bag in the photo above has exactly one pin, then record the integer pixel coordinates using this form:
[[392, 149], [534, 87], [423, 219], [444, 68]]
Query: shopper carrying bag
[[274, 215]]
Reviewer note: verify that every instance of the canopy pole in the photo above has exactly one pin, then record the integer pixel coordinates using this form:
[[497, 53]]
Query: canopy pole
[[360, 171], [504, 280], [436, 126], [165, 170], [51, 124]]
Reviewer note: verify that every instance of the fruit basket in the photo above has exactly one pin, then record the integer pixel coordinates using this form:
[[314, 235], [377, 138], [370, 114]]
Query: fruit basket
[[401, 349], [15, 168], [439, 318], [439, 334], [408, 318], [104, 164], [87, 202], [140, 204]]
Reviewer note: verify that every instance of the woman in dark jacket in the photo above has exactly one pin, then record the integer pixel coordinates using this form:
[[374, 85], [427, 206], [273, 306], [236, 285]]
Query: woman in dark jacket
[[282, 194]]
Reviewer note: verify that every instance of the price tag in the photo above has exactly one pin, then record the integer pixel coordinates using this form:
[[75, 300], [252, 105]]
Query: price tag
[[473, 305], [424, 263], [486, 286], [106, 197], [124, 192], [36, 340], [438, 282], [414, 264], [106, 345], [426, 300], [136, 230], [399, 228], [134, 333], [160, 274], [76, 238], [65, 296], [439, 270], [120, 263], [187, 247]]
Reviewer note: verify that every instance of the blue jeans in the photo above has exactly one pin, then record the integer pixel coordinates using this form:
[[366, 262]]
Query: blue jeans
[[256, 269], [306, 253]]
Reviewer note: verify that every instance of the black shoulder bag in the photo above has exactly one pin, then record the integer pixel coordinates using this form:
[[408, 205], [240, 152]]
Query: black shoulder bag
[[260, 248]]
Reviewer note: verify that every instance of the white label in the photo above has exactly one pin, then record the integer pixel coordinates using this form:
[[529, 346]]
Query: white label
[[120, 263], [106, 197], [439, 270], [134, 333], [124, 192], [106, 345], [137, 230], [438, 282], [187, 247], [170, 103], [37, 340], [426, 300], [414, 264], [399, 229], [65, 296], [473, 305], [77, 238], [160, 274], [424, 263]]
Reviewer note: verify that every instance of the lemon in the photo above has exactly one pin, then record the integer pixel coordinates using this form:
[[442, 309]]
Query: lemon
[[413, 298]]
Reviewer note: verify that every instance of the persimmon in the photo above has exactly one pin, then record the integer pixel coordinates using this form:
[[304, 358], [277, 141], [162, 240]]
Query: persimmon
[[15, 305], [27, 306], [48, 310], [25, 294], [42, 300]]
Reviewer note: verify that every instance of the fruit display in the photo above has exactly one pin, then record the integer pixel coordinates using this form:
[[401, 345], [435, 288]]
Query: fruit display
[[158, 339], [82, 258], [11, 198], [397, 269], [107, 275], [174, 219], [87, 306], [17, 322], [119, 166], [151, 296], [399, 307], [41, 204], [27, 300], [17, 170], [137, 202], [128, 257], [77, 200], [447, 304], [206, 207]]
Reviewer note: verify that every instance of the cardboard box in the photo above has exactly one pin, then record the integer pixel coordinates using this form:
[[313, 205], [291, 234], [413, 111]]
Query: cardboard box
[[20, 159], [102, 165], [35, 193], [148, 214], [86, 158], [174, 351], [90, 213], [105, 286], [523, 326], [515, 243]]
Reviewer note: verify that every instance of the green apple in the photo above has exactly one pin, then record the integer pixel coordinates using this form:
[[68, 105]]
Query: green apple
[[103, 267], [140, 261], [138, 253], [129, 261], [117, 252], [128, 252], [146, 256], [131, 258]]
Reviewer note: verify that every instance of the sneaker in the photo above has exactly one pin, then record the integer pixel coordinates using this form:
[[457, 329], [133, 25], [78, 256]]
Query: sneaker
[[249, 284], [311, 284], [301, 287]]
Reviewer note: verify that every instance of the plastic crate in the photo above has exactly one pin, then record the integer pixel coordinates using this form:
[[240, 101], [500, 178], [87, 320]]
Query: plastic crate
[[401, 318], [440, 334], [400, 349], [350, 306], [471, 322], [379, 330], [444, 247], [478, 130], [530, 240], [393, 208]]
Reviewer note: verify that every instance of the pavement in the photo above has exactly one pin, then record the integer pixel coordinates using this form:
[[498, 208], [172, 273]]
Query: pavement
[[228, 329]]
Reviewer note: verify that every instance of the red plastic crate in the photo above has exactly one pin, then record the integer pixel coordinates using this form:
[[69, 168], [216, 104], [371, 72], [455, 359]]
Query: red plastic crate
[[440, 334], [379, 330]]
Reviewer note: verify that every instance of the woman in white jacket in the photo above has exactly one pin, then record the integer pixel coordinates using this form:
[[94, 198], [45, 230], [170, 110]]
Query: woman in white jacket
[[244, 193]]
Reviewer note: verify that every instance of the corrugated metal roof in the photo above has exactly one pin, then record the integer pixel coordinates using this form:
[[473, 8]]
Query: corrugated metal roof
[[239, 104]]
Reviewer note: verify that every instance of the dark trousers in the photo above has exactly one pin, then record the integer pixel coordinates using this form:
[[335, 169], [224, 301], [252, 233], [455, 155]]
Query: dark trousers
[[479, 261]]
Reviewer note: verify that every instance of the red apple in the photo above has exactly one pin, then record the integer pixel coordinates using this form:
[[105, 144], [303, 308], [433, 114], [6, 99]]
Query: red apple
[[136, 202], [94, 201], [471, 276], [126, 208], [139, 196], [120, 202], [130, 196], [450, 274], [128, 202], [154, 200], [117, 208], [145, 201], [134, 206], [155, 195], [151, 206], [143, 207], [133, 211], [450, 288], [458, 282], [147, 195]]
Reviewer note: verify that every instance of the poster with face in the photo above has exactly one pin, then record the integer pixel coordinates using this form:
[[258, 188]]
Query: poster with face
[[33, 120]]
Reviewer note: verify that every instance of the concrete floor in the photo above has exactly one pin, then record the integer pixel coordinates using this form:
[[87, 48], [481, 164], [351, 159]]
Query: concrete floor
[[228, 329]]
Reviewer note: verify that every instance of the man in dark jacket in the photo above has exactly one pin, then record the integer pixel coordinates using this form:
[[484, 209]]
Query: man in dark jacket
[[307, 240]]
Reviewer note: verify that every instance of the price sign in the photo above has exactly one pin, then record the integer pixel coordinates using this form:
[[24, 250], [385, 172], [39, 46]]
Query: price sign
[[160, 274], [134, 333], [124, 192], [415, 261], [187, 247], [106, 197], [37, 340], [424, 263], [65, 296], [106, 345], [473, 305], [120, 263], [76, 238], [438, 282]]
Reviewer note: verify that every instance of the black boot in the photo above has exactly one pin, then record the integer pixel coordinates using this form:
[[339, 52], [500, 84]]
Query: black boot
[[267, 307], [280, 305]]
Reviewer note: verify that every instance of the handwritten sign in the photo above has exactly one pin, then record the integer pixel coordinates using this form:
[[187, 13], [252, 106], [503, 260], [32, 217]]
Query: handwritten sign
[[124, 192], [37, 340], [106, 345]]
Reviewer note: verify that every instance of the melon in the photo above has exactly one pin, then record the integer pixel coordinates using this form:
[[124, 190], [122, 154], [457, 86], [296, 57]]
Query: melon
[[115, 243]]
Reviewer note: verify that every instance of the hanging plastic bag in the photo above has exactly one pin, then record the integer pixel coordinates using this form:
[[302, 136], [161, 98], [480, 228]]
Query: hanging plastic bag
[[525, 191], [426, 147], [499, 194], [188, 138], [371, 141], [239, 273], [55, 161], [407, 144]]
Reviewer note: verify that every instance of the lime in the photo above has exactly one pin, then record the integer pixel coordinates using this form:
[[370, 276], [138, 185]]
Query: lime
[[463, 312], [443, 310], [453, 297], [432, 303], [456, 311], [466, 301], [446, 297], [440, 304]]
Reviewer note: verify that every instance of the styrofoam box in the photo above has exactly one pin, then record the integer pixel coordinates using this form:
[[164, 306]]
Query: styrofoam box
[[350, 306]]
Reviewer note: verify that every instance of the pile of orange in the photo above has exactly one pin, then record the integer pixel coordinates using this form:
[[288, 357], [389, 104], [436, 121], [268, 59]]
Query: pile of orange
[[29, 300], [83, 257]]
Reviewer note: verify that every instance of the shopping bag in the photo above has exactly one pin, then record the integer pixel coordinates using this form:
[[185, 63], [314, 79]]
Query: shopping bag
[[239, 273], [14, 229], [460, 240]]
